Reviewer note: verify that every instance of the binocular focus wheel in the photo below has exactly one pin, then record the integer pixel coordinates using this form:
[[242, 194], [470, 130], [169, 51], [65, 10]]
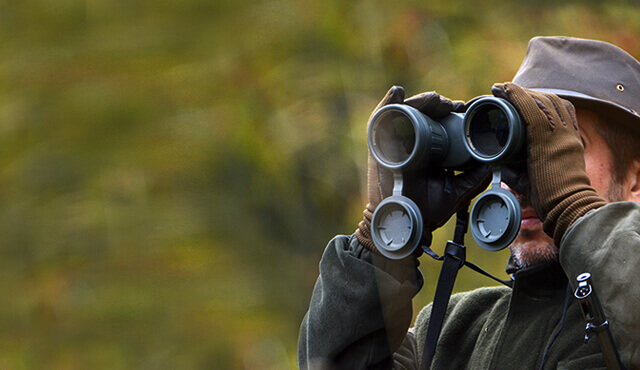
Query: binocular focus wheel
[[495, 219], [396, 227]]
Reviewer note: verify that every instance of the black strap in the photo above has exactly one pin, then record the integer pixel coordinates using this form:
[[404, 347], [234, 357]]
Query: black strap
[[479, 270], [470, 265], [454, 257]]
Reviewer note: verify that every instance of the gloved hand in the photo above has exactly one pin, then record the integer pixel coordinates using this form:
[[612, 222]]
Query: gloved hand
[[559, 188], [437, 192]]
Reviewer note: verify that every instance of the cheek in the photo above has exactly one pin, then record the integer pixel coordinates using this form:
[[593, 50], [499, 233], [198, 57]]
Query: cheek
[[598, 169]]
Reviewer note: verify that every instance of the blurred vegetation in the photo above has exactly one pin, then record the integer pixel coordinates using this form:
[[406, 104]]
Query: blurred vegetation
[[172, 170]]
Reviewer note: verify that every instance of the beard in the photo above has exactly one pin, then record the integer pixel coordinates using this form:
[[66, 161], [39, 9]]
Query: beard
[[531, 248], [532, 245]]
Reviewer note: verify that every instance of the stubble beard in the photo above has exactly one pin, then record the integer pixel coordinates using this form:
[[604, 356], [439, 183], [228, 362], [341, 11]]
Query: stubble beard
[[534, 246], [615, 191]]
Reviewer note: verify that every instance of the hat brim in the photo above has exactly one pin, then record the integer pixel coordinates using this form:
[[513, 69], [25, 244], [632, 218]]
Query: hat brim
[[626, 116]]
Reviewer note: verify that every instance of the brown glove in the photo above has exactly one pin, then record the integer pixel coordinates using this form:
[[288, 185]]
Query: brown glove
[[438, 193], [560, 190], [379, 179]]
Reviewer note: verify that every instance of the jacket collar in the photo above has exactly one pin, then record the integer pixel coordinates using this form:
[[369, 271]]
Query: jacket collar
[[542, 280]]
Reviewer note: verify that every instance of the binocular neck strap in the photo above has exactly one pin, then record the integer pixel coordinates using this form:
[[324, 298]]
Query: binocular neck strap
[[453, 259]]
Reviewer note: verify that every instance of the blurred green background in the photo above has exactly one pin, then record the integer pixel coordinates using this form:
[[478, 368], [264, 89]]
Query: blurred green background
[[170, 171]]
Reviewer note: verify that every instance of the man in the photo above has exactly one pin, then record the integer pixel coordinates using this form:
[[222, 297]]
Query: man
[[581, 213]]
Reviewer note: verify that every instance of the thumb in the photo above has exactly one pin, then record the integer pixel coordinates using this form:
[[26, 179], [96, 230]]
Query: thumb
[[499, 91], [395, 95]]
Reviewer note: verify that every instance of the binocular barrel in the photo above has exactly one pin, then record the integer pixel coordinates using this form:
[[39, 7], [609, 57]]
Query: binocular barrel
[[402, 138]]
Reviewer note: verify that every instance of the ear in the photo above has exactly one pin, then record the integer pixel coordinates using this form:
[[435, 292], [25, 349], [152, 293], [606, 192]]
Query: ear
[[633, 182]]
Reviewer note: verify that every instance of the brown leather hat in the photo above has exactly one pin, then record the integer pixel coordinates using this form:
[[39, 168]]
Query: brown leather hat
[[591, 74]]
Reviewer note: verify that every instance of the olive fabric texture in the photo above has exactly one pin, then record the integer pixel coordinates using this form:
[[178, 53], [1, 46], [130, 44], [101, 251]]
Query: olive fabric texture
[[589, 73], [502, 328], [360, 310], [560, 190]]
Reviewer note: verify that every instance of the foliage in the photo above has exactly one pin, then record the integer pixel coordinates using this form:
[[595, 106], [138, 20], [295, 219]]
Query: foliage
[[171, 171]]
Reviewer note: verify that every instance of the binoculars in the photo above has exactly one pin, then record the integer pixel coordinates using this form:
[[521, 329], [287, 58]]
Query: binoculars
[[403, 139]]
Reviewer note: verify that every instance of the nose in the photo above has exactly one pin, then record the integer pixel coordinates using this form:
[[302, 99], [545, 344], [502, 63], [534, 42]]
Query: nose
[[524, 201], [505, 186]]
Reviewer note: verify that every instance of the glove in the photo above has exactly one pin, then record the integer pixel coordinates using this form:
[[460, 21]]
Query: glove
[[438, 193], [559, 188]]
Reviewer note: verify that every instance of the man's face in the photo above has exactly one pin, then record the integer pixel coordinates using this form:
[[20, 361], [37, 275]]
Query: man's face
[[532, 245]]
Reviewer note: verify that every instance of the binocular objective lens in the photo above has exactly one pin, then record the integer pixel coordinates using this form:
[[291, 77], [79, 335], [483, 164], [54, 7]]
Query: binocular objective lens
[[489, 130], [395, 137]]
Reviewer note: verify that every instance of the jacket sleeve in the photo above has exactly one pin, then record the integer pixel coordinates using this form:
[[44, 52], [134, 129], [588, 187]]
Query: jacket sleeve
[[360, 309], [606, 243]]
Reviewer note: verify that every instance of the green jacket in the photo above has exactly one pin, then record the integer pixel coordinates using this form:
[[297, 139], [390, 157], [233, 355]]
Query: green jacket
[[360, 310]]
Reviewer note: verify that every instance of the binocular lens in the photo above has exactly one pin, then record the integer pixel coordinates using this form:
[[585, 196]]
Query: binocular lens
[[489, 130], [493, 130], [395, 137]]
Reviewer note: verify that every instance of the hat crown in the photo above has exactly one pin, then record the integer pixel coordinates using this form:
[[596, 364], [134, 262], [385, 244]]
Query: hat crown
[[586, 72]]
